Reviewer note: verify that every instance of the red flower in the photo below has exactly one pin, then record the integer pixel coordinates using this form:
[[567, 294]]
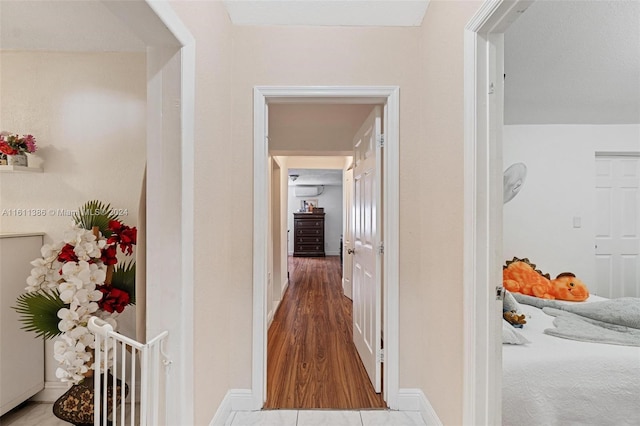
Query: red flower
[[123, 235], [6, 149], [113, 299], [109, 255], [67, 254]]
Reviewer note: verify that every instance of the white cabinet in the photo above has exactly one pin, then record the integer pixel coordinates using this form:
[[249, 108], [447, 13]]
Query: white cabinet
[[21, 353]]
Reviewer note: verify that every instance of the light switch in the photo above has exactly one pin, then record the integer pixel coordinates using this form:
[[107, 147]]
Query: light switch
[[577, 222]]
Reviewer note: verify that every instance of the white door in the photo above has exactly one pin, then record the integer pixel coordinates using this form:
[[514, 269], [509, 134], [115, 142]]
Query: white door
[[347, 246], [366, 258], [617, 226]]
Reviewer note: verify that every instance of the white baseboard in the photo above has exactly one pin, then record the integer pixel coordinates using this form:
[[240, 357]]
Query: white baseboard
[[285, 284], [51, 392], [272, 313], [234, 400], [223, 412], [242, 400], [332, 253], [415, 400]]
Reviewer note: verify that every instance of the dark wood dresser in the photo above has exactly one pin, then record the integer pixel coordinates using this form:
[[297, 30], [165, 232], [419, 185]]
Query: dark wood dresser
[[308, 234]]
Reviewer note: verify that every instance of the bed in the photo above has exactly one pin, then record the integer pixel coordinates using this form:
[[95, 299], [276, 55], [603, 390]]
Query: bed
[[556, 381]]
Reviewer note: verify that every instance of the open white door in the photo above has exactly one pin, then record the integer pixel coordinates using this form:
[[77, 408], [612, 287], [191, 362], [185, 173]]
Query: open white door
[[367, 246], [347, 247]]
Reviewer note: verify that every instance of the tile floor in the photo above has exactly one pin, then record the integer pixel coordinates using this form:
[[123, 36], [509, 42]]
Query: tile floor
[[325, 417], [39, 414]]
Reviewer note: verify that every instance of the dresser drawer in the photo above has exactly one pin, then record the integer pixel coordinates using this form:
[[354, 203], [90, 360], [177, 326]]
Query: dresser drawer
[[309, 232], [309, 248], [310, 240], [309, 223]]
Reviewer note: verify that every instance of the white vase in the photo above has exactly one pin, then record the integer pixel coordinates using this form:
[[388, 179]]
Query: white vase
[[17, 160]]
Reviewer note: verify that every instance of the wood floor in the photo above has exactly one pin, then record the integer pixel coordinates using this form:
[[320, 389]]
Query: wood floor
[[312, 361]]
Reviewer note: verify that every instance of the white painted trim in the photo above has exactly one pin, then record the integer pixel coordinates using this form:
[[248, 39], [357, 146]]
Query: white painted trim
[[234, 400], [170, 134], [241, 399], [415, 400], [389, 95], [223, 412], [482, 215]]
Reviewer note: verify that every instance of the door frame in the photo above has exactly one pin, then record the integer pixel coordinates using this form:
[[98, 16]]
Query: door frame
[[171, 69], [389, 96], [483, 122]]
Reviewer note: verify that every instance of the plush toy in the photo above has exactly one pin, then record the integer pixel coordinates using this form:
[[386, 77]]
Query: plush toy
[[514, 318], [521, 276]]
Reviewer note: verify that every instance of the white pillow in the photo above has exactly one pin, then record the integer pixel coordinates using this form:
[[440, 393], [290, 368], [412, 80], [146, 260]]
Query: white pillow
[[511, 336]]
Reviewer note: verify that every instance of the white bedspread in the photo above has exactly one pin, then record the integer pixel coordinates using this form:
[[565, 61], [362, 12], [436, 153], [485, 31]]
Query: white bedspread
[[554, 381]]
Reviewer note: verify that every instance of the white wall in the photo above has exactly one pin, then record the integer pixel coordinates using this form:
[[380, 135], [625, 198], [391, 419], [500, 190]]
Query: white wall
[[560, 185], [331, 201], [87, 112]]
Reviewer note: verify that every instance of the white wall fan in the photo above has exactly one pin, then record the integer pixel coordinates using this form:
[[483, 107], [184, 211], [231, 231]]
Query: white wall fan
[[513, 180]]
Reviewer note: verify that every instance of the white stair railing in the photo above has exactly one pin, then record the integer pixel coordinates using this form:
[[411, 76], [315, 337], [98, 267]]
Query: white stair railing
[[124, 357]]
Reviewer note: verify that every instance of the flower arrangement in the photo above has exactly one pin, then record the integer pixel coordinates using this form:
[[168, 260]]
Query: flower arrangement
[[12, 144], [76, 278]]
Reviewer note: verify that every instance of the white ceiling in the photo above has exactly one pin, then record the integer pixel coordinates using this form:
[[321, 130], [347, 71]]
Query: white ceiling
[[395, 13], [574, 62]]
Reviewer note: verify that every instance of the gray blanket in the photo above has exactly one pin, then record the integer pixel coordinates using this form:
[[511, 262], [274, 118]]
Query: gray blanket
[[614, 321]]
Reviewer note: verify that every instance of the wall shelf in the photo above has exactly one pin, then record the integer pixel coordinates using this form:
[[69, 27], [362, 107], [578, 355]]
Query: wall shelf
[[20, 169]]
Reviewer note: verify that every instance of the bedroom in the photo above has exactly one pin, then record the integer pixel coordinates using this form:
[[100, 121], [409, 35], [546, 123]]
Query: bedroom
[[572, 117]]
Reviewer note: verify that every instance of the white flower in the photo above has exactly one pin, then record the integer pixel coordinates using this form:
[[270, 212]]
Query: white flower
[[69, 319], [97, 274], [68, 290], [87, 250], [50, 252]]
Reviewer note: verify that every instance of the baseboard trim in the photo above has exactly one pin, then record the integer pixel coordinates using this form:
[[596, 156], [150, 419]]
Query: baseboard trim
[[234, 400], [242, 400], [51, 392], [415, 400], [223, 412]]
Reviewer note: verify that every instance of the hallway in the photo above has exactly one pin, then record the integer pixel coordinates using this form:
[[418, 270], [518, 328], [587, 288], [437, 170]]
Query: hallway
[[312, 361]]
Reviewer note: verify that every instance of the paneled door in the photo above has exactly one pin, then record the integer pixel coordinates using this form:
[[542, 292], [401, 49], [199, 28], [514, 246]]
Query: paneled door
[[366, 250], [347, 267], [617, 225]]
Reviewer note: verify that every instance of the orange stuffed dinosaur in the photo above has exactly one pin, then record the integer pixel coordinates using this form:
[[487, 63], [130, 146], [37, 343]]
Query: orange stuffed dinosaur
[[521, 276]]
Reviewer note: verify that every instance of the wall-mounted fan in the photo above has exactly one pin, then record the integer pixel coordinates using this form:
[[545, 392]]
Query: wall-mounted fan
[[513, 180]]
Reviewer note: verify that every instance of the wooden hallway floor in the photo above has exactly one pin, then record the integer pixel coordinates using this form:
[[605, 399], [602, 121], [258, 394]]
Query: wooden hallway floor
[[312, 361]]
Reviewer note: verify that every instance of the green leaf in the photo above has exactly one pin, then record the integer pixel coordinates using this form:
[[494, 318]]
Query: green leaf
[[124, 278], [39, 313], [95, 213]]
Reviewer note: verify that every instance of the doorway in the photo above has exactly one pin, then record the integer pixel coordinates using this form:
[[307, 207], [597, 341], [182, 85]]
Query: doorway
[[388, 96], [484, 92]]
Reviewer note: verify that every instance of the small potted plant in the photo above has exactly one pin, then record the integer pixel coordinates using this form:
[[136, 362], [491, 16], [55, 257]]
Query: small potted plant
[[14, 148]]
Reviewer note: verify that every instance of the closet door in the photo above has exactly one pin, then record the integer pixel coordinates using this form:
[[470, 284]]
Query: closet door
[[617, 240]]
